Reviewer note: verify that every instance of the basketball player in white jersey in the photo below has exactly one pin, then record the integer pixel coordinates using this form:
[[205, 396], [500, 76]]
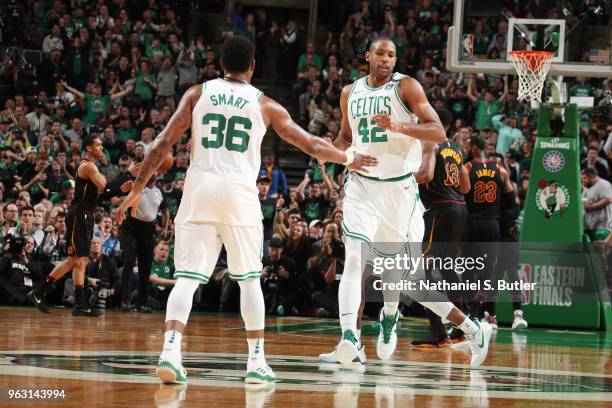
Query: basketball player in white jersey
[[228, 119], [387, 115]]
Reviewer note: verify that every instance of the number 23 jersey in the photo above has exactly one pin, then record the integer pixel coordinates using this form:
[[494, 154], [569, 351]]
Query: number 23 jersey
[[227, 130], [483, 199]]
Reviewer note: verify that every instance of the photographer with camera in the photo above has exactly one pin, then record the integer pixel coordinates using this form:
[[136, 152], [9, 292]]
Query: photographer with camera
[[325, 270], [53, 248], [278, 280], [18, 271], [10, 216], [102, 279]]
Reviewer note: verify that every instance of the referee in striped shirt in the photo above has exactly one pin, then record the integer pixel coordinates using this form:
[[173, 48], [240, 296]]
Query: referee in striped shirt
[[138, 239]]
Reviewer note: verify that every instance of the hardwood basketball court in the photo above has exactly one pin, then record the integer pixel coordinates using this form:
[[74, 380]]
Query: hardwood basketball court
[[110, 361]]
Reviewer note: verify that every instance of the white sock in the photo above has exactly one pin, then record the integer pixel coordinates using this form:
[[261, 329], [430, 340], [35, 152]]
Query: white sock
[[349, 290], [256, 349], [468, 327], [358, 334], [252, 306], [390, 308], [181, 300], [172, 342]]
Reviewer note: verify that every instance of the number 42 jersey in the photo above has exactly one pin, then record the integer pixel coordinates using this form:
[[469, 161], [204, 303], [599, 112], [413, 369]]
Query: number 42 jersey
[[398, 155], [227, 130]]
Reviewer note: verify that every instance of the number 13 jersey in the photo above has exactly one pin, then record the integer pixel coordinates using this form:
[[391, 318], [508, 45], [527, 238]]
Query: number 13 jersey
[[227, 130], [444, 187], [397, 153]]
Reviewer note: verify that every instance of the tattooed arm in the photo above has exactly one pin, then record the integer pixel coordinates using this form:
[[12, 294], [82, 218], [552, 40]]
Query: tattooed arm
[[162, 145]]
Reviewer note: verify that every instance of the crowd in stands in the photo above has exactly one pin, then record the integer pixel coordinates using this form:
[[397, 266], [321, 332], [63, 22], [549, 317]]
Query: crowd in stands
[[118, 68]]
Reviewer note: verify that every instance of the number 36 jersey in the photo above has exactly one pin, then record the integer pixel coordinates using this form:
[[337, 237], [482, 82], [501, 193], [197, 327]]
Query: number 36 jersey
[[227, 130], [397, 153]]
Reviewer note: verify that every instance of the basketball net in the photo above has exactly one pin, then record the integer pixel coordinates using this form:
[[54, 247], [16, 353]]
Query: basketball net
[[532, 67]]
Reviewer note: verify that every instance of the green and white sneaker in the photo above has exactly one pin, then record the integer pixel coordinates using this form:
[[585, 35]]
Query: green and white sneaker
[[387, 336], [519, 322], [259, 372], [479, 343], [171, 371], [347, 351], [329, 357], [333, 357]]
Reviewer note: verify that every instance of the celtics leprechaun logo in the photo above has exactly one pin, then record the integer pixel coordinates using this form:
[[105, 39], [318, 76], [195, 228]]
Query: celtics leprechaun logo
[[552, 198]]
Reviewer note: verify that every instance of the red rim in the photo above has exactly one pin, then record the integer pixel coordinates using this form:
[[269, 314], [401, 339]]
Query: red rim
[[541, 54], [533, 58]]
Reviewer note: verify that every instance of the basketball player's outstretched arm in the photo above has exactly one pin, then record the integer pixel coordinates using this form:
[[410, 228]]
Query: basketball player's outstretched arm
[[429, 128], [277, 116], [345, 137], [162, 145]]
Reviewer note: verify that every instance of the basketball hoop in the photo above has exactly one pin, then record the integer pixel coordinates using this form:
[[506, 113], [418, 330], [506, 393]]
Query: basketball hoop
[[532, 67]]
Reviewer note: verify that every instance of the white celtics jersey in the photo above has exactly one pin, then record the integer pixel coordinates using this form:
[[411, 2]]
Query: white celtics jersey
[[227, 130], [397, 153]]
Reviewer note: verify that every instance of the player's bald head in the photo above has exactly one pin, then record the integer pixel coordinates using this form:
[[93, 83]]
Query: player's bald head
[[381, 42]]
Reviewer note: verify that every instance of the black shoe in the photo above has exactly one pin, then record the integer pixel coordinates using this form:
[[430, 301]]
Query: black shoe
[[37, 297], [457, 335], [143, 309], [431, 342], [86, 311]]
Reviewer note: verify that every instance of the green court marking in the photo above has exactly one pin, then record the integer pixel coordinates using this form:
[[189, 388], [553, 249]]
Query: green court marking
[[413, 327], [304, 374]]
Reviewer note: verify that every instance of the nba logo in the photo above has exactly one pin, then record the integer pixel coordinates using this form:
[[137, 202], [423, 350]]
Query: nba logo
[[524, 274], [468, 45]]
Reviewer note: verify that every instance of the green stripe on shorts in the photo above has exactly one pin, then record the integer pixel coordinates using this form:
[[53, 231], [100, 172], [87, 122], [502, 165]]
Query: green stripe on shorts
[[392, 179], [380, 253], [191, 275], [355, 235], [245, 276]]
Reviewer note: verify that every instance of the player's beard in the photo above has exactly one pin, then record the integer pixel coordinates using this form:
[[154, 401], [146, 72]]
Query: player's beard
[[382, 77]]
